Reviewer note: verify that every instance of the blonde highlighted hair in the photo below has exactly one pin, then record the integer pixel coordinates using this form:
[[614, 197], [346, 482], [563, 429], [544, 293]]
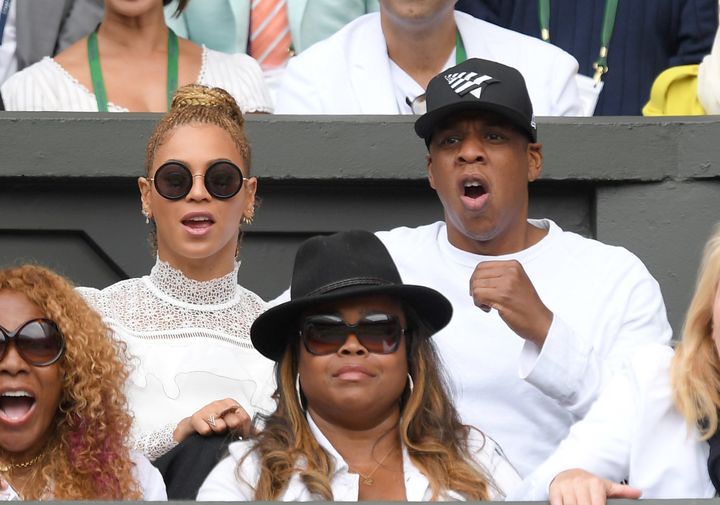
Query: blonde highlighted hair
[[88, 455], [696, 366], [430, 429]]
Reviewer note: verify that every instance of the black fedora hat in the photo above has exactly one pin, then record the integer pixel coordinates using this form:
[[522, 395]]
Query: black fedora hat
[[339, 266], [477, 84]]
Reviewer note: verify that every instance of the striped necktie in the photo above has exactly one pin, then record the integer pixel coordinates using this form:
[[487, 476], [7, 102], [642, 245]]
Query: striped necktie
[[269, 33]]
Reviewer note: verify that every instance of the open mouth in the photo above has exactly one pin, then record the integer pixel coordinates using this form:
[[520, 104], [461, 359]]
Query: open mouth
[[14, 405], [474, 189], [198, 222]]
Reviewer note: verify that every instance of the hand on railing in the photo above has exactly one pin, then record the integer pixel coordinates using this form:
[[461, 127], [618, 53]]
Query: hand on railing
[[578, 487]]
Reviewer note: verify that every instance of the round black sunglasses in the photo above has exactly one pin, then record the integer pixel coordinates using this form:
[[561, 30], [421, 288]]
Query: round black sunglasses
[[174, 180]]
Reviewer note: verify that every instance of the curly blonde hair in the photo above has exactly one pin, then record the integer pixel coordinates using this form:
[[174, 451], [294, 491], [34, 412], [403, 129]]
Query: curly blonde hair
[[88, 457], [696, 366], [430, 429]]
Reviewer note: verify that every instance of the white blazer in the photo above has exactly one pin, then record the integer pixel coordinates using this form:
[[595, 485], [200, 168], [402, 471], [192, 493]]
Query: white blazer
[[632, 432], [349, 73]]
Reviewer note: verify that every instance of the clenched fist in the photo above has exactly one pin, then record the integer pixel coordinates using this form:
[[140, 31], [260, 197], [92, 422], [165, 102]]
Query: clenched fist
[[505, 287]]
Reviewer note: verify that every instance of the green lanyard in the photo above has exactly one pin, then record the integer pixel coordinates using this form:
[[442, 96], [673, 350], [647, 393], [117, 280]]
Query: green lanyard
[[4, 12], [608, 24], [460, 54], [97, 77]]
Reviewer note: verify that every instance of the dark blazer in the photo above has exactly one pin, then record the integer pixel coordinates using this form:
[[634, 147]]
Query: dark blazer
[[46, 27], [714, 460], [649, 36], [185, 467]]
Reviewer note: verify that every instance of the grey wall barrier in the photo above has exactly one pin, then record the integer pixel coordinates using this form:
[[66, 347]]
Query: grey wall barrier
[[68, 193]]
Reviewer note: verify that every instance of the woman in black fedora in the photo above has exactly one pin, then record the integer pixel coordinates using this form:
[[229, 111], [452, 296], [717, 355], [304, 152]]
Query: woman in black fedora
[[362, 412]]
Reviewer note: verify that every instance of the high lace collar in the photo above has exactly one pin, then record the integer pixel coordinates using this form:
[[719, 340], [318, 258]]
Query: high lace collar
[[177, 285]]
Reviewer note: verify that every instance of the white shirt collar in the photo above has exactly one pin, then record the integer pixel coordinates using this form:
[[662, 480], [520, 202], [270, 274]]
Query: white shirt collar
[[345, 485]]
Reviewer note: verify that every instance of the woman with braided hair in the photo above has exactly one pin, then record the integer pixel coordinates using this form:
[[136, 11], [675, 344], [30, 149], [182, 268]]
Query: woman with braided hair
[[187, 323], [64, 426], [133, 63]]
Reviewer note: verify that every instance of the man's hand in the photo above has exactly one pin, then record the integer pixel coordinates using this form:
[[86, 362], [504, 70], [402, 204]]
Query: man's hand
[[578, 487], [216, 417], [505, 287]]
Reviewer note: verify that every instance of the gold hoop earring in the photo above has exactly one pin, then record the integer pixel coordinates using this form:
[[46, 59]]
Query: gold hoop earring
[[298, 391], [411, 384]]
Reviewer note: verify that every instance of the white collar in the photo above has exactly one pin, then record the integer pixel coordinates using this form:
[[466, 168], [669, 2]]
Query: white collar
[[175, 284], [416, 484]]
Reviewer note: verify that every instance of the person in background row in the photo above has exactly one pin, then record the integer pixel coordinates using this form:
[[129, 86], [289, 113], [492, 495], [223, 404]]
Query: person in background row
[[132, 62], [363, 412], [64, 425], [708, 85], [655, 426], [187, 323], [382, 62], [33, 29], [645, 38], [270, 31], [542, 317]]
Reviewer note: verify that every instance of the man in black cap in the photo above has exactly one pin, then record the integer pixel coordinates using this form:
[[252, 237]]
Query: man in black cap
[[541, 316]]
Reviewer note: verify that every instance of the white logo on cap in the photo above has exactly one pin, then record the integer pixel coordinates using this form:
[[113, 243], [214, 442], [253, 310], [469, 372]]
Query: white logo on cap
[[469, 82]]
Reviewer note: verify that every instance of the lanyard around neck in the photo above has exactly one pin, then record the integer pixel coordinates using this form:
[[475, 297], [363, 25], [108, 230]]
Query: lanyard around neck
[[460, 54], [4, 12], [608, 24], [97, 77], [418, 106]]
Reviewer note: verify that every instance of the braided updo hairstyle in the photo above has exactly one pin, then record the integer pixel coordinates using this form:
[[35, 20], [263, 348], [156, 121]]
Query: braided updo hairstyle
[[199, 104]]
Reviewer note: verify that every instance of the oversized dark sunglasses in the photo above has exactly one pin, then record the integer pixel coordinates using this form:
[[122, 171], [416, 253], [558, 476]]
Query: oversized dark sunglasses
[[174, 180], [327, 333], [39, 342]]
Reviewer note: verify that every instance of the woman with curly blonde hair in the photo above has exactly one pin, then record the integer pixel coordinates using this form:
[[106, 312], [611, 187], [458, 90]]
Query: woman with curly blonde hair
[[64, 427], [363, 411]]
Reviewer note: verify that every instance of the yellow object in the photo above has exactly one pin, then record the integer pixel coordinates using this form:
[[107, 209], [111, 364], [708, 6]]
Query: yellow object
[[674, 93]]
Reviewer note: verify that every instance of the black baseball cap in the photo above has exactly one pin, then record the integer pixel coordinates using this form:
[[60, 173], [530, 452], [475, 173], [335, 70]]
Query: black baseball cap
[[477, 84]]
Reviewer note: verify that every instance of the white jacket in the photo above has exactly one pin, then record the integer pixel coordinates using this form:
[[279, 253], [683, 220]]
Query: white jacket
[[633, 432], [349, 73]]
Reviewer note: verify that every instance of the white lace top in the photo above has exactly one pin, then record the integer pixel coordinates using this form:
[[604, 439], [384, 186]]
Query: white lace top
[[189, 344], [47, 86]]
